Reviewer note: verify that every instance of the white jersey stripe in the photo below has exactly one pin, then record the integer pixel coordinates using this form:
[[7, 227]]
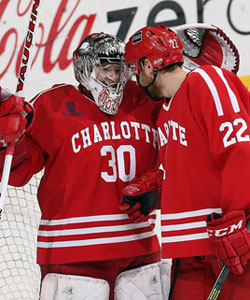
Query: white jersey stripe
[[232, 96], [183, 226], [190, 214], [89, 230], [213, 90], [97, 241], [183, 238], [98, 218]]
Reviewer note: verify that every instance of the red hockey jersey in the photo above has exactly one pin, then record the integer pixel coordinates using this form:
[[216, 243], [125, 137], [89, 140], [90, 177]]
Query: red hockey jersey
[[89, 157], [204, 136]]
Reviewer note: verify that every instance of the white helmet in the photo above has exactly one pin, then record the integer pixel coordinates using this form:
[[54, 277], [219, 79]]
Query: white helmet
[[98, 56]]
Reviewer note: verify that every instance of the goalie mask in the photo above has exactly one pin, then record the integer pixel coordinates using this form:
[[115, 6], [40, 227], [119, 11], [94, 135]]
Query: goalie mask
[[100, 68]]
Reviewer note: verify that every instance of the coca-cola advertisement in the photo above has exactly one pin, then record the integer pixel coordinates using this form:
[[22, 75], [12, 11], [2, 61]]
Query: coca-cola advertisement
[[54, 29]]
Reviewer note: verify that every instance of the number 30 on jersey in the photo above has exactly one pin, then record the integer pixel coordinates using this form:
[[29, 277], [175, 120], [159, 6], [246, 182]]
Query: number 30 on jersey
[[116, 163]]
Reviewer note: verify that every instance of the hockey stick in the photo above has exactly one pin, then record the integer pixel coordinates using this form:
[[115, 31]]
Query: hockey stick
[[219, 283], [24, 69], [222, 277]]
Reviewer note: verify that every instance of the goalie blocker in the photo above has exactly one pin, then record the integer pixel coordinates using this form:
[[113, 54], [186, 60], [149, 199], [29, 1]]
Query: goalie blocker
[[205, 44]]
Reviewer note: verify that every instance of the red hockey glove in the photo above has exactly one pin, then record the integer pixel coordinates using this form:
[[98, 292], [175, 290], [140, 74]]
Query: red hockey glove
[[13, 121], [141, 196], [230, 239]]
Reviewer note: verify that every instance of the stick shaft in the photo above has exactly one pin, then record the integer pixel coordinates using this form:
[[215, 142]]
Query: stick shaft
[[5, 175], [222, 277], [29, 44], [22, 79], [219, 283]]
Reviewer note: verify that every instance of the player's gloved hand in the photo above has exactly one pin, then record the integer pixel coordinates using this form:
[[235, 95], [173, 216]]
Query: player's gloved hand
[[230, 239], [13, 111], [142, 196]]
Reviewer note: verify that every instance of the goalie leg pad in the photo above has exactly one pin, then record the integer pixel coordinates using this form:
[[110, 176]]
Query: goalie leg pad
[[64, 287], [150, 282]]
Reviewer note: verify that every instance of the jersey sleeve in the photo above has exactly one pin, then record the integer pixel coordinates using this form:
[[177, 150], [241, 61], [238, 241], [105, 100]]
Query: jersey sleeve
[[27, 161], [220, 106]]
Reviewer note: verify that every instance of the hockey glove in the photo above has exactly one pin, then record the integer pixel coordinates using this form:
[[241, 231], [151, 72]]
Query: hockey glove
[[230, 239], [13, 119], [142, 196]]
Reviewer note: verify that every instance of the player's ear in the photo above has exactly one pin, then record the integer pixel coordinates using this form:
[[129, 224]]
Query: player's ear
[[147, 66]]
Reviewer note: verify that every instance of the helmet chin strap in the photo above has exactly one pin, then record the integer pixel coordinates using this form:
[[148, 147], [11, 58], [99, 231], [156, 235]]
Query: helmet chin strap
[[145, 87]]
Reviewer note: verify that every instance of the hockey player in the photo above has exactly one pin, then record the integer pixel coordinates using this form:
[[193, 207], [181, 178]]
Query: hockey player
[[204, 138], [91, 140]]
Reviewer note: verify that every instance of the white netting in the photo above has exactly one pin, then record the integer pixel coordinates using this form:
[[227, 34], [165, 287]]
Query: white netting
[[19, 273]]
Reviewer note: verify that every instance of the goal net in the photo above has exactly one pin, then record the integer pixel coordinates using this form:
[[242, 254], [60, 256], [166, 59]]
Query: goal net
[[19, 273]]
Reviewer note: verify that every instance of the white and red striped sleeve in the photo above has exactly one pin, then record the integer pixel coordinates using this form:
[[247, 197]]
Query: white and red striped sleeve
[[220, 104]]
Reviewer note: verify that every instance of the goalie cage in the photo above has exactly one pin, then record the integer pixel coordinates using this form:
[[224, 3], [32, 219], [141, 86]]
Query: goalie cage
[[19, 273]]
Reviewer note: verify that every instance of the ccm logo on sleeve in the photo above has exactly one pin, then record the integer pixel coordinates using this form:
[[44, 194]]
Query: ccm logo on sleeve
[[225, 231]]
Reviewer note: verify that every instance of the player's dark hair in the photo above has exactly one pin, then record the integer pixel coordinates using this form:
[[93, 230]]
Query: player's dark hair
[[171, 67]]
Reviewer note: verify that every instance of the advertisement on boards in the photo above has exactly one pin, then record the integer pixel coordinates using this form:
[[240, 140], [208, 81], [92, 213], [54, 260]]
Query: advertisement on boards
[[63, 24]]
